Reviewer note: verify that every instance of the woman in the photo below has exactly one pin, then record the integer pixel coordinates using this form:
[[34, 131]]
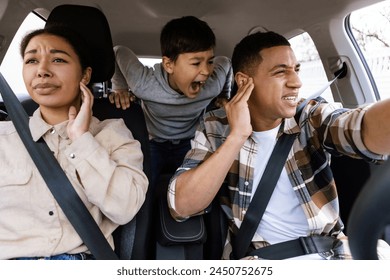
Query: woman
[[101, 159]]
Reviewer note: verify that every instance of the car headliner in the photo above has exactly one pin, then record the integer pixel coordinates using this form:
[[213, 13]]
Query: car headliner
[[137, 23]]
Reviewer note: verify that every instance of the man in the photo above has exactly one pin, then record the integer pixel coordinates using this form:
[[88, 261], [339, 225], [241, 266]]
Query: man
[[232, 146]]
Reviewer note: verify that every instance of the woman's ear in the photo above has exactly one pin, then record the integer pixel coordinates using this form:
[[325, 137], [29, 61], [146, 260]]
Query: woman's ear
[[86, 76], [241, 78], [167, 63]]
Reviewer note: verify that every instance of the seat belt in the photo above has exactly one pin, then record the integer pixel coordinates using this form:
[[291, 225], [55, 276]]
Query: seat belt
[[56, 180], [241, 242], [262, 195]]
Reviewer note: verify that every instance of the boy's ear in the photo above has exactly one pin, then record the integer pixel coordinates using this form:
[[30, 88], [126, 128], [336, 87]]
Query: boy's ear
[[167, 63], [241, 78]]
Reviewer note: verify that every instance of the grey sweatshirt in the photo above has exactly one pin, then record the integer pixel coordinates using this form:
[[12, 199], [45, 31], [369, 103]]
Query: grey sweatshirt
[[168, 114]]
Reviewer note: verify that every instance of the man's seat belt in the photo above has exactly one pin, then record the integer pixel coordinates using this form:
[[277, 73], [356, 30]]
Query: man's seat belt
[[56, 180], [304, 245]]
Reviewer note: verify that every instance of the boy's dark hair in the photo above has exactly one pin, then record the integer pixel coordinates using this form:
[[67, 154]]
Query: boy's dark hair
[[73, 38], [246, 55], [185, 34]]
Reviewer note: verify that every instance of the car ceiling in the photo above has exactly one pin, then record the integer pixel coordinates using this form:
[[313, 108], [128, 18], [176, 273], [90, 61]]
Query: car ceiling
[[137, 23]]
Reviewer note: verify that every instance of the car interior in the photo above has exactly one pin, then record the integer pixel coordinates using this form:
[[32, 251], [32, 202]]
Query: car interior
[[153, 234]]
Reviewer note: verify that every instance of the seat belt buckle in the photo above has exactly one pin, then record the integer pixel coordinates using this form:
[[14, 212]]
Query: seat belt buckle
[[308, 245], [322, 245]]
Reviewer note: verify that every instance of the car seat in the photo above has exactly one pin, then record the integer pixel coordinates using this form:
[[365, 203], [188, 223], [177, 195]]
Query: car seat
[[135, 239]]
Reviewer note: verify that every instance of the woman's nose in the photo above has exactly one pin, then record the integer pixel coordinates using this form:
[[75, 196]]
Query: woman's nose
[[43, 70]]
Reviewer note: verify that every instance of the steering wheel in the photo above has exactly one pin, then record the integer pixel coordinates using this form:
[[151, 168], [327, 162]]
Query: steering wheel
[[370, 214]]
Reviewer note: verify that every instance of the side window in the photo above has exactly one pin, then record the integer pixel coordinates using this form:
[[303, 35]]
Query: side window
[[370, 27], [11, 66], [312, 71], [148, 61]]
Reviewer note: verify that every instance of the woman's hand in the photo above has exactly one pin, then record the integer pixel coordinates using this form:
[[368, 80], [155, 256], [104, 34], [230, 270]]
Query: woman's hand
[[79, 122]]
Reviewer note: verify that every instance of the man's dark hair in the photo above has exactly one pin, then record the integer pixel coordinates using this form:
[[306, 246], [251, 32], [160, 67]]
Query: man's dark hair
[[246, 55], [185, 34]]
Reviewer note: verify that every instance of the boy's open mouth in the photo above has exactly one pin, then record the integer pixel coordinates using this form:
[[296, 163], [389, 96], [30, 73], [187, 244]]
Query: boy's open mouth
[[197, 85]]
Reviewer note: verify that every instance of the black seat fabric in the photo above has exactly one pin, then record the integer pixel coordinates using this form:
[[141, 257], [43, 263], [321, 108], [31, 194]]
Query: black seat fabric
[[133, 240], [350, 176], [92, 24]]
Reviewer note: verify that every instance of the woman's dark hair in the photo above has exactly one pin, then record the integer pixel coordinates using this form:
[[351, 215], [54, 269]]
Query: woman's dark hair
[[73, 38], [185, 34]]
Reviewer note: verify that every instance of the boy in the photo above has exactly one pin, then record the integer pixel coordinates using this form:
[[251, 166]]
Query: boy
[[177, 91]]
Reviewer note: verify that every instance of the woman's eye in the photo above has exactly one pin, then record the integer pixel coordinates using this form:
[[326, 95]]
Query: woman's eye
[[58, 60], [30, 61]]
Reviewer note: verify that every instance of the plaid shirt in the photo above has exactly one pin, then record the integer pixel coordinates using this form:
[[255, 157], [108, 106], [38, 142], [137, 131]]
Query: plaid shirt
[[324, 129]]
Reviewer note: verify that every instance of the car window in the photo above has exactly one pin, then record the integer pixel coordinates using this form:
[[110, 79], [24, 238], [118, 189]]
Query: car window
[[11, 66], [147, 61], [371, 30], [312, 71]]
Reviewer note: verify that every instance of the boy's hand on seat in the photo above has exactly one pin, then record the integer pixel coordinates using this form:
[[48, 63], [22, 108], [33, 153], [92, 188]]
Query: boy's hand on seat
[[121, 98]]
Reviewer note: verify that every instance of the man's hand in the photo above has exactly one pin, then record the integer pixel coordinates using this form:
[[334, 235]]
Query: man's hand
[[237, 111], [121, 98], [79, 122]]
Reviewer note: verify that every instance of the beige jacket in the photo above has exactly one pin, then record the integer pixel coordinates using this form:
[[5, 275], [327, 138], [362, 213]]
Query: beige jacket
[[105, 167]]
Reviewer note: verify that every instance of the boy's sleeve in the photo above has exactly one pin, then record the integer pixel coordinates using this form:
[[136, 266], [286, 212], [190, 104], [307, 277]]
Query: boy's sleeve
[[223, 64], [128, 69]]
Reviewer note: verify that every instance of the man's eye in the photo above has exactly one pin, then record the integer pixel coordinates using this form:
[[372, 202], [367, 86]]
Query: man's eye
[[211, 62], [196, 63]]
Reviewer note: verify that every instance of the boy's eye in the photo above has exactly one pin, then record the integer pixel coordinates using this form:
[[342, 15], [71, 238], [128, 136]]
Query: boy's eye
[[196, 63], [211, 62]]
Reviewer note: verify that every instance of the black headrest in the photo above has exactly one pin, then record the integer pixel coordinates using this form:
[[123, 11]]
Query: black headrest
[[93, 26]]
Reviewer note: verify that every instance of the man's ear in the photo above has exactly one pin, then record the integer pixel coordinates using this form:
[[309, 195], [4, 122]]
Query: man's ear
[[241, 78], [168, 64], [86, 76]]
